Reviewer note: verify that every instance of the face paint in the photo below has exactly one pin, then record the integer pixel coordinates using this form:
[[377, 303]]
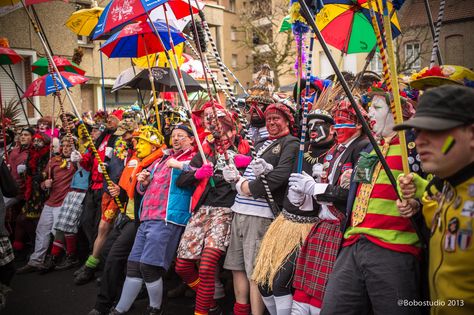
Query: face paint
[[381, 119], [144, 148], [277, 125], [318, 130], [38, 143], [257, 119], [345, 130], [448, 144]]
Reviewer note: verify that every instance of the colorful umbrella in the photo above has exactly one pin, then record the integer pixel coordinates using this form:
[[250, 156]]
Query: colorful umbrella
[[83, 22], [162, 78], [346, 25], [44, 86], [120, 12], [285, 24], [8, 56], [41, 66], [139, 39]]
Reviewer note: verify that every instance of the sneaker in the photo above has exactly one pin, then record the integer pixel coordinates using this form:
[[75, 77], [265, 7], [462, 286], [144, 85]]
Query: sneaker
[[216, 310], [154, 311], [71, 261], [27, 269], [87, 275], [78, 271]]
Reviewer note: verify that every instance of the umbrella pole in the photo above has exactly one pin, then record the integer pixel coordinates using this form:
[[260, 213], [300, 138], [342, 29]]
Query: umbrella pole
[[307, 15], [103, 80], [299, 71], [52, 132], [368, 59], [242, 120], [5, 151], [71, 100], [435, 49], [152, 82], [432, 29], [309, 64], [139, 95]]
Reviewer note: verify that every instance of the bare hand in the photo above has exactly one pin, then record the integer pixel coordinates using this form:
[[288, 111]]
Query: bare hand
[[114, 190], [48, 183], [408, 207], [143, 178], [173, 163], [407, 186]]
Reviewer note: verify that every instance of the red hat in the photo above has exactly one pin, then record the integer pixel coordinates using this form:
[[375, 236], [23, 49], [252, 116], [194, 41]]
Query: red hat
[[207, 105], [343, 109], [42, 136], [281, 110], [117, 114]]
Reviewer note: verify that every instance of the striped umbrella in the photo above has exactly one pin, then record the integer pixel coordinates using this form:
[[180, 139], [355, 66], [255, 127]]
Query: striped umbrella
[[45, 85]]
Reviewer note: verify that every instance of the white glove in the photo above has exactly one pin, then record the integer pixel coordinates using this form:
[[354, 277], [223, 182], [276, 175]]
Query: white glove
[[295, 197], [21, 168], [302, 183], [259, 167], [318, 171], [99, 169], [76, 156], [230, 173], [108, 152]]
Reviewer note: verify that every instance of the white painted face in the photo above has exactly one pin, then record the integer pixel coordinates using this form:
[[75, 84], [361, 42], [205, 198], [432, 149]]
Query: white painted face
[[381, 118]]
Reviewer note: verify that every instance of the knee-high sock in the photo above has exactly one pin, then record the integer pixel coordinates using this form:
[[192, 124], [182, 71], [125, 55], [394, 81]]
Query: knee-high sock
[[130, 290], [241, 309], [155, 292], [186, 269], [283, 304], [57, 248], [71, 244], [269, 302], [207, 273]]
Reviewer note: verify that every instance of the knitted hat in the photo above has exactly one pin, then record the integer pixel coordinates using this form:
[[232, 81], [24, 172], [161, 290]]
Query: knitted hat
[[343, 109], [100, 116], [262, 90], [117, 114], [281, 110], [151, 135], [42, 136], [30, 130], [207, 105]]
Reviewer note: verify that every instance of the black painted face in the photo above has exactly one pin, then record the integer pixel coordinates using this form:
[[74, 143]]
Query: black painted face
[[318, 130]]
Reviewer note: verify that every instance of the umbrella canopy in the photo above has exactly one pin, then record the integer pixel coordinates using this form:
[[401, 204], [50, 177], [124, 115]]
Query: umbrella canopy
[[138, 39], [285, 24], [163, 81], [44, 86], [120, 12], [8, 56], [41, 66], [346, 25], [83, 22], [123, 78]]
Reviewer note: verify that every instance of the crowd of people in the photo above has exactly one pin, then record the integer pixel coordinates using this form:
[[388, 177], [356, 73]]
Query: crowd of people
[[310, 228]]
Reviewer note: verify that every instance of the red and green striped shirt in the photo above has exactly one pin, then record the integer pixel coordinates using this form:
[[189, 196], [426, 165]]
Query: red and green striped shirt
[[382, 223]]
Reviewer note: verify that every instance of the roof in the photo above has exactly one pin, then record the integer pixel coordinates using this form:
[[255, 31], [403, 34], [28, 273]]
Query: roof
[[413, 13]]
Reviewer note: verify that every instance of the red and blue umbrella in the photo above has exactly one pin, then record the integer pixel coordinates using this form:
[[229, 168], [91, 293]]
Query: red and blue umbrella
[[138, 39], [45, 85], [120, 12]]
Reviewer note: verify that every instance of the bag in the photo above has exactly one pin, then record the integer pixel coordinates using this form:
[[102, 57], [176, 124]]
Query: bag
[[365, 168], [7, 182]]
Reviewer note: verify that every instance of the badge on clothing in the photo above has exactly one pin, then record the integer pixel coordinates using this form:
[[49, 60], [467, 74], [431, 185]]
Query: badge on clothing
[[451, 233]]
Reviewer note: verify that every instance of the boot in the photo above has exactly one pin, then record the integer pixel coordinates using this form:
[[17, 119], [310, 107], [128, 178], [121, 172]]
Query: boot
[[49, 264], [71, 261], [78, 271], [28, 269], [85, 276]]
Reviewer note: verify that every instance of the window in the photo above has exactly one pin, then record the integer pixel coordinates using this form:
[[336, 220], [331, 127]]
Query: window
[[324, 65], [350, 63], [21, 73], [234, 61], [120, 98], [233, 33], [412, 55], [232, 5], [83, 40], [454, 50], [376, 64]]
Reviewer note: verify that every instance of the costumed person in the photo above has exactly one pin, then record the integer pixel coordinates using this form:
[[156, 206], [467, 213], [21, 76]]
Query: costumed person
[[17, 164], [45, 125], [122, 152], [203, 119], [444, 126], [8, 189], [379, 262], [59, 173], [206, 236], [326, 192], [35, 197], [149, 148], [90, 216], [249, 299], [162, 222], [252, 213]]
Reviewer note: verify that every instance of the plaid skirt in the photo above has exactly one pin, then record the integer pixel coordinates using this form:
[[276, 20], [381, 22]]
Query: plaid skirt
[[317, 257], [6, 251], [71, 209]]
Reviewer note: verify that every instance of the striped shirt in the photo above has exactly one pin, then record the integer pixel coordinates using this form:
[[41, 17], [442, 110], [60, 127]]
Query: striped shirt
[[382, 223], [247, 204]]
